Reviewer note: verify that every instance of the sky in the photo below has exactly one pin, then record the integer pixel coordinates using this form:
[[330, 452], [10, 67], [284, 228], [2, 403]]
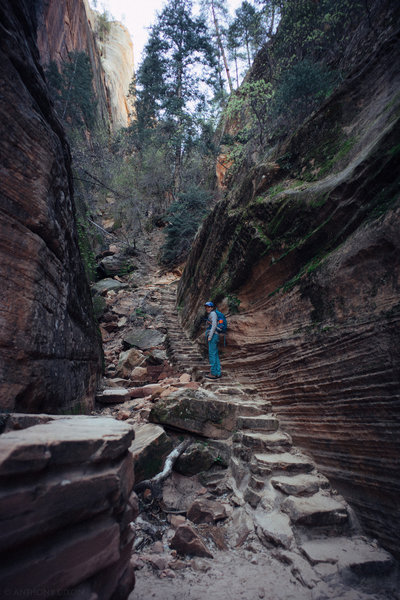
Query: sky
[[138, 16]]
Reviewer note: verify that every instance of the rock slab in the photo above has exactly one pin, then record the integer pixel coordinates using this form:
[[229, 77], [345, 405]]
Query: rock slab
[[66, 503]]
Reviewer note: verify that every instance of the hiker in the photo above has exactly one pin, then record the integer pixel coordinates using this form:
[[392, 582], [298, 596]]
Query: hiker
[[212, 337]]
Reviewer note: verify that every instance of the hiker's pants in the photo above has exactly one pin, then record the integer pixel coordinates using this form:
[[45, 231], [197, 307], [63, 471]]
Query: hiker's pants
[[213, 357]]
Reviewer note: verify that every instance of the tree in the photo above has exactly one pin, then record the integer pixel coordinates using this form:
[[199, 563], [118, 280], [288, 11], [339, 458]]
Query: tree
[[172, 79], [253, 100], [184, 216], [248, 29], [72, 90], [218, 11]]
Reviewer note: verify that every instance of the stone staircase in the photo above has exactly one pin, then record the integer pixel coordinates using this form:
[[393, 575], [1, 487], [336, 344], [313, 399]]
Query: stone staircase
[[294, 508], [182, 352]]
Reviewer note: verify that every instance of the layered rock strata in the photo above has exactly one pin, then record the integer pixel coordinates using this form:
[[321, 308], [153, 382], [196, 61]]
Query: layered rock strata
[[64, 27], [66, 512], [308, 242], [50, 353], [67, 26]]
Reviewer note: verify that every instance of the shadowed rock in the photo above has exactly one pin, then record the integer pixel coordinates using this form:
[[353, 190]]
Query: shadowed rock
[[149, 449], [69, 524], [187, 541], [50, 353], [143, 339]]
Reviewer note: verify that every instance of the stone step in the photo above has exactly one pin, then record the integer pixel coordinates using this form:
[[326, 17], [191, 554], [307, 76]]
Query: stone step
[[284, 461], [252, 497], [213, 478], [242, 453], [259, 423], [256, 483], [300, 485], [315, 511], [354, 554], [239, 470], [277, 441], [113, 395]]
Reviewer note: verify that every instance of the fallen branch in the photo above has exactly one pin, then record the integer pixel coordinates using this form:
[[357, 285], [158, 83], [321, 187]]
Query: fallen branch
[[154, 484]]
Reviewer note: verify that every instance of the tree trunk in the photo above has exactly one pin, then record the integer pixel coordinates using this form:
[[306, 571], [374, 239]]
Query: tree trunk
[[221, 47]]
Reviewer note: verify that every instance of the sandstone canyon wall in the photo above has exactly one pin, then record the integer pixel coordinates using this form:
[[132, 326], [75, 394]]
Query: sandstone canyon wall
[[66, 26], [50, 352], [117, 61], [66, 513], [308, 241]]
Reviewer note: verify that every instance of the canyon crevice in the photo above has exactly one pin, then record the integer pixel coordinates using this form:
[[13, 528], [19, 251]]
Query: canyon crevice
[[308, 243]]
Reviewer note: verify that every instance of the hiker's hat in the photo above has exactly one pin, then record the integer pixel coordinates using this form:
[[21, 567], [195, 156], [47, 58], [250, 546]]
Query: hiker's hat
[[209, 304]]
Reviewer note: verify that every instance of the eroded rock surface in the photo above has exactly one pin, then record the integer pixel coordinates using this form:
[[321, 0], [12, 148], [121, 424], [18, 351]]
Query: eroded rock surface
[[67, 529], [49, 349], [72, 26], [309, 244]]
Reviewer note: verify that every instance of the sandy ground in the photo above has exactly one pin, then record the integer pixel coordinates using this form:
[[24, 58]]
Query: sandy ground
[[237, 575]]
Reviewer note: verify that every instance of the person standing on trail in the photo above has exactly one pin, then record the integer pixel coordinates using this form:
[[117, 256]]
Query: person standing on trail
[[212, 338]]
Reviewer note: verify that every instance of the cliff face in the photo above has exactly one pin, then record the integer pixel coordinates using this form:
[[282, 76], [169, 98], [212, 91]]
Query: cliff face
[[66, 26], [50, 354], [117, 61], [308, 242]]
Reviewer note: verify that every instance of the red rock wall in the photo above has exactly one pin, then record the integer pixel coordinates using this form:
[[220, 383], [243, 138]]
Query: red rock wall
[[49, 349], [66, 513], [317, 271], [64, 27]]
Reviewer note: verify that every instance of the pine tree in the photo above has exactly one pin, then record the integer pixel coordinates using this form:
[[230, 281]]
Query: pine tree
[[177, 66], [248, 29], [217, 12]]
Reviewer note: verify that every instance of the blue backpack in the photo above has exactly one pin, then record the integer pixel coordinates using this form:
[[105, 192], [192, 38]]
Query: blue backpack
[[222, 325]]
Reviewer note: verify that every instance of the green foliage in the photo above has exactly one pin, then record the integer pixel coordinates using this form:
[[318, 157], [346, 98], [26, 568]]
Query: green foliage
[[251, 104], [172, 80], [184, 215], [233, 304], [103, 26], [246, 30], [302, 87], [310, 29], [72, 91], [86, 250]]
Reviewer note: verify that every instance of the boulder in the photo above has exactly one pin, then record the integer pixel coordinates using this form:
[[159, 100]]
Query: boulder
[[128, 360], [198, 411], [241, 525], [149, 449], [151, 389], [274, 528], [156, 356], [139, 375], [206, 511], [187, 541], [113, 396], [116, 264], [144, 339], [180, 492], [196, 458], [106, 285]]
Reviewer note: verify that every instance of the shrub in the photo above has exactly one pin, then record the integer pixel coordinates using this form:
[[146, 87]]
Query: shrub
[[302, 88], [184, 218]]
